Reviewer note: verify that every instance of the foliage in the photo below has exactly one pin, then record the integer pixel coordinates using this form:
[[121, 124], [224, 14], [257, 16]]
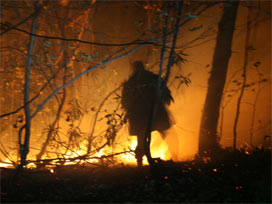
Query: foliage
[[75, 111]]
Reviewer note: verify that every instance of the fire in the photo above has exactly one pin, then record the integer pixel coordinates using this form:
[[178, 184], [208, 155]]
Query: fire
[[127, 157], [158, 148], [6, 164], [31, 165]]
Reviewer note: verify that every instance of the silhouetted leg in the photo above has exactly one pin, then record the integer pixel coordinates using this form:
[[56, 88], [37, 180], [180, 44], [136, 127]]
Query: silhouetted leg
[[139, 156], [140, 150]]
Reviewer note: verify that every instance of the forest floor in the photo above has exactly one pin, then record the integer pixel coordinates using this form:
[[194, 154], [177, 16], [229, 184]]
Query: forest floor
[[232, 177]]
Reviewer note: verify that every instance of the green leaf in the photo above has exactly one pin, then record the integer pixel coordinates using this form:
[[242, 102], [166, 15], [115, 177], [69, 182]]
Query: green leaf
[[161, 14], [195, 28], [89, 58], [105, 67], [47, 44], [193, 16], [95, 55], [52, 57], [187, 15], [139, 23], [81, 54]]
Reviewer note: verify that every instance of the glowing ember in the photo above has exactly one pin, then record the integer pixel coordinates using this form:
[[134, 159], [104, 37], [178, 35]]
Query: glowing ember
[[247, 152], [206, 159]]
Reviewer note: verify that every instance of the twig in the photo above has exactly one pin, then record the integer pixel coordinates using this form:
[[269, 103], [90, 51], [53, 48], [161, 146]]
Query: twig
[[20, 23], [103, 62], [244, 75], [31, 100], [136, 42], [96, 115], [83, 157]]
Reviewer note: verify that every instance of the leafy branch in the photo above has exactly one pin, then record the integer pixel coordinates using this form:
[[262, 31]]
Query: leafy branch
[[139, 43]]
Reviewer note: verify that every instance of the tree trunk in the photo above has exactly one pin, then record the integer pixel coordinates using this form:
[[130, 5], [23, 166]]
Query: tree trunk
[[24, 143], [208, 128], [161, 86], [244, 75], [24, 147]]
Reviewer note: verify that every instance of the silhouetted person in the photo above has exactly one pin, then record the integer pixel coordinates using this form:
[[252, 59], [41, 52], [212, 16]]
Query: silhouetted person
[[139, 93]]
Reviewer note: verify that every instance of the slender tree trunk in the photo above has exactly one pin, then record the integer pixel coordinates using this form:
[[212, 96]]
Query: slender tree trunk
[[258, 89], [158, 95], [161, 86], [24, 148], [148, 25], [244, 75], [222, 53]]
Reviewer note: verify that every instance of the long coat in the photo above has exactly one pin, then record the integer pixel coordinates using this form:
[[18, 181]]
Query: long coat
[[138, 95]]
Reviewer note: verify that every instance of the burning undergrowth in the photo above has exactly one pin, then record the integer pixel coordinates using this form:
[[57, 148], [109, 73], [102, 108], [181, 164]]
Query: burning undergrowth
[[86, 135]]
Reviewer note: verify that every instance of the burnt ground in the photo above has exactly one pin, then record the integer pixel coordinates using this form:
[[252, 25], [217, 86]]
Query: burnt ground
[[238, 178]]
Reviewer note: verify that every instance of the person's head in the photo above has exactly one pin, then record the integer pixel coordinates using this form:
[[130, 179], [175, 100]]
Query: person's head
[[137, 66]]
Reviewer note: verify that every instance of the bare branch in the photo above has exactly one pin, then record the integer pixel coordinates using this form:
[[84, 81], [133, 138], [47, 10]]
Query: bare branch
[[84, 157], [135, 42], [20, 23], [31, 100], [139, 43], [81, 74]]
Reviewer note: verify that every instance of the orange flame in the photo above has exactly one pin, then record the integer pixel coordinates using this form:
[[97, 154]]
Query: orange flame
[[158, 147]]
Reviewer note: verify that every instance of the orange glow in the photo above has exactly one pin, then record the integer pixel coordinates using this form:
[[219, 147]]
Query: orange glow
[[158, 146], [6, 164], [91, 89], [206, 159], [247, 152], [159, 149]]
